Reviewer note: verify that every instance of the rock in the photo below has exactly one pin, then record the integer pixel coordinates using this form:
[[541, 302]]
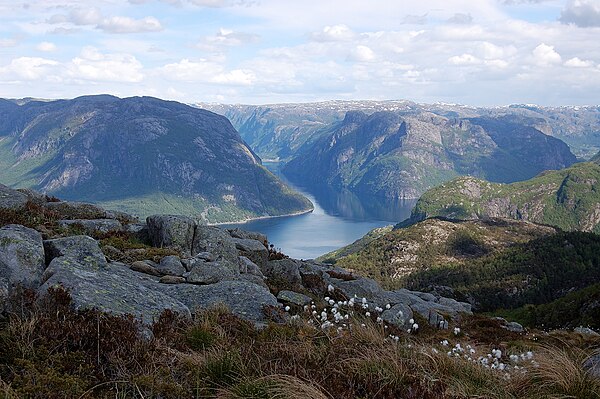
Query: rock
[[122, 217], [110, 288], [254, 279], [243, 298], [22, 260], [586, 331], [455, 305], [284, 270], [592, 365], [76, 210], [90, 227], [361, 288], [293, 298], [112, 253], [239, 233], [215, 241], [4, 295], [12, 199], [138, 230], [426, 296], [253, 250], [82, 249], [398, 315], [172, 280], [513, 326], [144, 267], [171, 231], [34, 196], [212, 272], [249, 267], [171, 265]]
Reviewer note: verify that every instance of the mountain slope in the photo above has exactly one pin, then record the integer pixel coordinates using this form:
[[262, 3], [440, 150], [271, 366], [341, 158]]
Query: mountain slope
[[568, 198], [394, 155], [142, 155]]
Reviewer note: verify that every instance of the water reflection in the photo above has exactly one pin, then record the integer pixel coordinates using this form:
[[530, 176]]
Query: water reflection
[[338, 219]]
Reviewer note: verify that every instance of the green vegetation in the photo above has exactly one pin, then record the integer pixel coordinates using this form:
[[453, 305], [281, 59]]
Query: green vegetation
[[50, 350], [567, 198]]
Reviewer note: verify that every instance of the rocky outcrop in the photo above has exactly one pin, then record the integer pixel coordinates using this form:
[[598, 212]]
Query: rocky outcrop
[[94, 226], [11, 199], [171, 231], [22, 259]]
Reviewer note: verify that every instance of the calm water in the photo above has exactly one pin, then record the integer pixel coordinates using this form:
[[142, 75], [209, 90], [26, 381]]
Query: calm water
[[338, 219]]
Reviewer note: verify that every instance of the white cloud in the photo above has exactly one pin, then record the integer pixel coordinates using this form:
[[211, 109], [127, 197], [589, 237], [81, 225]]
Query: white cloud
[[27, 68], [92, 65], [206, 71], [334, 33], [362, 54], [8, 43], [130, 25], [464, 59], [583, 13], [546, 55], [576, 62], [46, 47], [461, 18]]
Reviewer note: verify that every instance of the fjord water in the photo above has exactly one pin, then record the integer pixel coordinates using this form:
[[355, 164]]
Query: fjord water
[[339, 218]]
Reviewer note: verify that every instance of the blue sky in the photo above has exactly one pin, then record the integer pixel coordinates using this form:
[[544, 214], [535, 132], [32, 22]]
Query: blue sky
[[483, 52]]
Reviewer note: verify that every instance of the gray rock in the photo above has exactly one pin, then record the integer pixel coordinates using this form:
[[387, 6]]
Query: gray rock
[[171, 265], [239, 233], [243, 298], [11, 199], [215, 241], [212, 272], [284, 270], [22, 259], [249, 267], [426, 296], [138, 230], [592, 365], [253, 279], [110, 288], [361, 288], [143, 267], [171, 231], [455, 305], [76, 210], [122, 217], [34, 196], [90, 227], [253, 250], [293, 298], [586, 331], [172, 280], [82, 249], [4, 295], [398, 315], [514, 327]]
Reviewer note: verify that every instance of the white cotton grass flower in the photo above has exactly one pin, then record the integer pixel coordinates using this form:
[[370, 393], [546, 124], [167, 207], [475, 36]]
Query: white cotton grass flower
[[287, 308], [411, 321], [456, 330], [444, 342], [388, 306], [330, 288], [364, 301], [415, 327], [368, 314]]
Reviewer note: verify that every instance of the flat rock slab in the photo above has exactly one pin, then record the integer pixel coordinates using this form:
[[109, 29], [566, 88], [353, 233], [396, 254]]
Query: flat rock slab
[[294, 298], [93, 226], [112, 288], [212, 272], [22, 259], [215, 241], [12, 199], [252, 249], [243, 298], [82, 249]]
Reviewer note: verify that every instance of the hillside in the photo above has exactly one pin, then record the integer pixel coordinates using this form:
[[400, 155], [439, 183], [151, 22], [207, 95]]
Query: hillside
[[142, 155], [392, 155], [568, 199]]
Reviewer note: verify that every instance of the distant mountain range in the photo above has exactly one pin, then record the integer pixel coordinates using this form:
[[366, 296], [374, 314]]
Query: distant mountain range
[[142, 155]]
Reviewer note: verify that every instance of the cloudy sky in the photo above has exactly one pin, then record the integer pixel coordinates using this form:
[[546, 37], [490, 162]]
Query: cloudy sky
[[478, 52]]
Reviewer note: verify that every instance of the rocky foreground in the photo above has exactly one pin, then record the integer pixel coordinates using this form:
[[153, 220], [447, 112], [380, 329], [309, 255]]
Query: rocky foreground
[[197, 267]]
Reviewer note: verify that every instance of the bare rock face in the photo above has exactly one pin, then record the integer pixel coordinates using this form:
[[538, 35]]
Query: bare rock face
[[11, 199], [21, 256], [93, 226], [171, 231]]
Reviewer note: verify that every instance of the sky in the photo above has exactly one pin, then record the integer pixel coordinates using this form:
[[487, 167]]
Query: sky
[[474, 52]]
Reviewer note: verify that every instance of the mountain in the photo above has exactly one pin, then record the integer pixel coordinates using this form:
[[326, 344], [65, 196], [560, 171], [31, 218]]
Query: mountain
[[141, 155], [396, 155], [568, 199], [278, 130]]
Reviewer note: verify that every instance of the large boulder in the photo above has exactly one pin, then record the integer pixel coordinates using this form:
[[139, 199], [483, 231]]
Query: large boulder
[[76, 210], [22, 259], [243, 298], [253, 250], [398, 315], [111, 288], [171, 231], [82, 249], [239, 233], [171, 265], [215, 241], [361, 288], [212, 272], [11, 199], [93, 226], [284, 271]]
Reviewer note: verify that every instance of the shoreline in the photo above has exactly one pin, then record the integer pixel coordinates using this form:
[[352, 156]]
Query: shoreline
[[245, 221]]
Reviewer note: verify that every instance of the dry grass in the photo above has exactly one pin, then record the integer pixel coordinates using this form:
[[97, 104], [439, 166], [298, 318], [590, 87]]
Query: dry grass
[[52, 351]]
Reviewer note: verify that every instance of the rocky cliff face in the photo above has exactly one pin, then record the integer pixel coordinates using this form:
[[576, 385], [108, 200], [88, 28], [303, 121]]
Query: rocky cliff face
[[565, 198], [139, 154], [399, 155]]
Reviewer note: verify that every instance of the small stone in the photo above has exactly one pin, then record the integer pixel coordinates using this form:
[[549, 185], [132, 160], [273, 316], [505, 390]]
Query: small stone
[[171, 265], [143, 267], [293, 298], [172, 280]]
